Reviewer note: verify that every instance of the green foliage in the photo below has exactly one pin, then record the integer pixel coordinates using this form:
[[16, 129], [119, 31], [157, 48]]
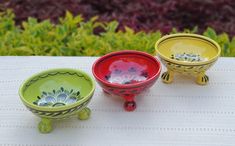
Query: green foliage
[[227, 45], [74, 37]]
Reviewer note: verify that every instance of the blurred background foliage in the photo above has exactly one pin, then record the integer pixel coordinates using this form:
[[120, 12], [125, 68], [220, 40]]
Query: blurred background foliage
[[94, 28], [72, 36]]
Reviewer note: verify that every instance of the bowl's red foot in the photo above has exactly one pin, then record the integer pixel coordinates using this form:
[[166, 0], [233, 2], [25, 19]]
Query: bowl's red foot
[[130, 105]]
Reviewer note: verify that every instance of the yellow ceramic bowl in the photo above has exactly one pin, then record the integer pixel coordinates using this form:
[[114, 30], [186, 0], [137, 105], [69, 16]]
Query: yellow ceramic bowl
[[187, 54]]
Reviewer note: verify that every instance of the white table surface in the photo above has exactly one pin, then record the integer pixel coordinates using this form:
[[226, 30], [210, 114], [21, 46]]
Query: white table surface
[[178, 114]]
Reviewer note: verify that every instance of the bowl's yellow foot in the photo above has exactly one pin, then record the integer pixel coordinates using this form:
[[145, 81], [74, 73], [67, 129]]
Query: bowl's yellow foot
[[45, 125], [202, 79], [167, 77], [84, 114]]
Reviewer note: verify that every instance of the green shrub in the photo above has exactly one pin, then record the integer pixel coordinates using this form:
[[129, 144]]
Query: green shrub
[[74, 37]]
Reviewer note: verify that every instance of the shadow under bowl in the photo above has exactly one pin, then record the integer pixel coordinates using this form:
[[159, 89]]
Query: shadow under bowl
[[126, 74], [57, 94], [189, 54]]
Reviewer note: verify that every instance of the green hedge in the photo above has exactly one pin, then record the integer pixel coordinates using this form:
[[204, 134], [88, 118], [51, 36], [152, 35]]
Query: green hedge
[[74, 37]]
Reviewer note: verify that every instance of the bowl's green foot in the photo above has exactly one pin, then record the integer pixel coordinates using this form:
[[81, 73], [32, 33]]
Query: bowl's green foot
[[84, 114], [45, 125], [202, 79], [167, 77]]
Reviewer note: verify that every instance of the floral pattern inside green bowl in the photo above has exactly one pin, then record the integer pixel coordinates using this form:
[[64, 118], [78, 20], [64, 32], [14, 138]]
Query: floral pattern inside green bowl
[[57, 98]]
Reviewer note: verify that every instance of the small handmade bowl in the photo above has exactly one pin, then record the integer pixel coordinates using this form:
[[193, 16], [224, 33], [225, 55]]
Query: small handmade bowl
[[189, 54], [126, 74], [57, 94]]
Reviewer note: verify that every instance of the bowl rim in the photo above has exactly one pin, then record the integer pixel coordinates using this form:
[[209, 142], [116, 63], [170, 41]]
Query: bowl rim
[[121, 53], [187, 35], [41, 108]]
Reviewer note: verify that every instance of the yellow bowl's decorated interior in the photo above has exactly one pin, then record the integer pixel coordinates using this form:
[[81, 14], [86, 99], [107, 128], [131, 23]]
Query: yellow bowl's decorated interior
[[187, 49]]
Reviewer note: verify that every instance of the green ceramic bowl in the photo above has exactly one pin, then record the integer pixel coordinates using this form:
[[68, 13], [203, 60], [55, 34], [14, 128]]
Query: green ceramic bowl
[[57, 94]]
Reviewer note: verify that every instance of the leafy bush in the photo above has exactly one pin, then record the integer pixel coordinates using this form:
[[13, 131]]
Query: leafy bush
[[140, 15], [74, 37]]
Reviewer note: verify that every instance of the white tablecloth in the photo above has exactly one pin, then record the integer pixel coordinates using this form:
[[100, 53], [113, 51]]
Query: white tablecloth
[[178, 114]]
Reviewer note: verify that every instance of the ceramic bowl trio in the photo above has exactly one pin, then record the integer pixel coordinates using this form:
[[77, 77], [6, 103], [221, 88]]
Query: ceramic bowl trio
[[61, 93]]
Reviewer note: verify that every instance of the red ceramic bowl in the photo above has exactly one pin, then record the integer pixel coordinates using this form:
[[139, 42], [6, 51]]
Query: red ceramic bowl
[[126, 74]]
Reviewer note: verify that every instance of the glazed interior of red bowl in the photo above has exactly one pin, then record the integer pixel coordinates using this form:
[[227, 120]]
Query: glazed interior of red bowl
[[126, 67]]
